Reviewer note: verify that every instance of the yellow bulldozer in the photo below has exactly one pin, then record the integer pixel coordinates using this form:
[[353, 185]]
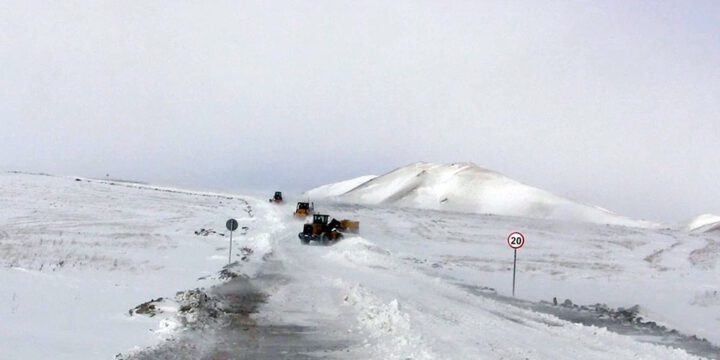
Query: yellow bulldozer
[[326, 232], [303, 209]]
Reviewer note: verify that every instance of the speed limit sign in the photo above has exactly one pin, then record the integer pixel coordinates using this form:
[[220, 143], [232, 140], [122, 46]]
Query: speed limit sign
[[516, 240]]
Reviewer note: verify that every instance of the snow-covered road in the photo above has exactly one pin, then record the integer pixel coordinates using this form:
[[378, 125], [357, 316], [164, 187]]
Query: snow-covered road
[[416, 284], [408, 293]]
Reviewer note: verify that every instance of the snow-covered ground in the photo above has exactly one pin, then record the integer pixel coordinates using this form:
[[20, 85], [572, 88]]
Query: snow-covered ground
[[76, 256], [415, 283], [672, 275]]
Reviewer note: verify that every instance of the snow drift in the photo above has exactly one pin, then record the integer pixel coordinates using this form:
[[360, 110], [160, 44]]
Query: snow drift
[[464, 187]]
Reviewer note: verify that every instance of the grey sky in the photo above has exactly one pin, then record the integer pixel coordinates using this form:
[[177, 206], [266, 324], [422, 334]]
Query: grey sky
[[615, 103]]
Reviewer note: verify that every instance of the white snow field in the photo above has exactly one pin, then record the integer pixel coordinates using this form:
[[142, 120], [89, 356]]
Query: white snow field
[[415, 283], [76, 256], [464, 187]]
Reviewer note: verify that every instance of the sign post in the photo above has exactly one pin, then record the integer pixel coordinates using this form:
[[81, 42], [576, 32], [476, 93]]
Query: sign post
[[231, 225], [515, 240]]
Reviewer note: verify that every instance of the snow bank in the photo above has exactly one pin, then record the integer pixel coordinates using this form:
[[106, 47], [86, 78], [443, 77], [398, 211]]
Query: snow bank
[[388, 326], [465, 187]]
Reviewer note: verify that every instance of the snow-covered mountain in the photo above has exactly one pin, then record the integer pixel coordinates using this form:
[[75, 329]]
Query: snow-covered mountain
[[465, 187], [704, 223], [337, 188]]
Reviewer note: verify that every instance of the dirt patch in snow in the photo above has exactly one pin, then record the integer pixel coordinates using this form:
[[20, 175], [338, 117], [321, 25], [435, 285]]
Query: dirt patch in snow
[[655, 258], [238, 332], [707, 298], [706, 258]]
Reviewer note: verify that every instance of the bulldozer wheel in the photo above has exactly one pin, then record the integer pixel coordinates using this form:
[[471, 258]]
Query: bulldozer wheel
[[303, 240]]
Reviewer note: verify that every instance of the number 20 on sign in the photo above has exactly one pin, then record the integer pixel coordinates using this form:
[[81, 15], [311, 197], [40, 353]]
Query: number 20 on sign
[[515, 240]]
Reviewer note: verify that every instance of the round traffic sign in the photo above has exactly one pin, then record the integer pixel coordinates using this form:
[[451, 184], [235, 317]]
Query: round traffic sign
[[231, 224], [516, 240]]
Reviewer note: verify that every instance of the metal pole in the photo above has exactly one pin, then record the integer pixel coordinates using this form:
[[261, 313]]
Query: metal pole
[[230, 253], [514, 262]]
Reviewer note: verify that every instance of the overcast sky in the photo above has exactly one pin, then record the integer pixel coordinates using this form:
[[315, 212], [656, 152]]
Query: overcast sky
[[615, 103]]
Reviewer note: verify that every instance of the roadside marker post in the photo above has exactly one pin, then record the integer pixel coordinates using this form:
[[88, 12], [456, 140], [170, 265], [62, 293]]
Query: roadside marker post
[[231, 225], [515, 240]]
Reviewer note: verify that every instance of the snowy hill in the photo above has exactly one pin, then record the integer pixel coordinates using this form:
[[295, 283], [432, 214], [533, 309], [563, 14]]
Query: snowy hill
[[465, 187], [338, 188], [704, 223]]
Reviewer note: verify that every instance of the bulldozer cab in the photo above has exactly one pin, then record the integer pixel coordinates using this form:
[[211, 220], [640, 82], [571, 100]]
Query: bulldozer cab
[[278, 196], [320, 219], [303, 206]]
